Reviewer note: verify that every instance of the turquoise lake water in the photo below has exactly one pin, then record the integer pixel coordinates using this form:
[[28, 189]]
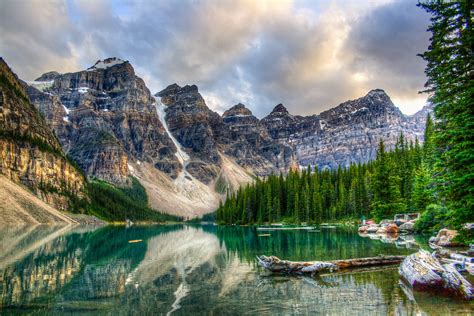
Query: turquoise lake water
[[187, 270]]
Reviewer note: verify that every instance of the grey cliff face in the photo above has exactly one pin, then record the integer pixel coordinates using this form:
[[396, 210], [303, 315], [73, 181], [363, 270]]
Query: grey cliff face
[[30, 153], [195, 127], [105, 116], [250, 144], [348, 133]]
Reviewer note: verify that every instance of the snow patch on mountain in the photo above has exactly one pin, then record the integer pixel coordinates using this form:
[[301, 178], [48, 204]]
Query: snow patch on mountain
[[41, 85], [106, 63]]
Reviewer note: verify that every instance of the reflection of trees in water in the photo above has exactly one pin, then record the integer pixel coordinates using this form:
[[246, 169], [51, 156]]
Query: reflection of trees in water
[[18, 242], [198, 269], [45, 259], [301, 245]]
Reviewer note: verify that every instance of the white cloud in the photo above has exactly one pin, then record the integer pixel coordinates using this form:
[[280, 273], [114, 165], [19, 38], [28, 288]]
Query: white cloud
[[308, 55]]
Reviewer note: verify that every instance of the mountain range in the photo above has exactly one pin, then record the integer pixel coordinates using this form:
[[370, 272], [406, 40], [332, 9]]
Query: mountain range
[[106, 120]]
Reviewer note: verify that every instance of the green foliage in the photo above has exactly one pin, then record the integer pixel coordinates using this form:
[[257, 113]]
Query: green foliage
[[117, 204], [136, 192], [451, 86], [379, 189], [432, 220], [221, 185], [34, 141], [466, 237], [6, 84]]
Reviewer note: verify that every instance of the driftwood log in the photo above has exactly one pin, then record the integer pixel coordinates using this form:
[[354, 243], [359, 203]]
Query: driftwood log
[[423, 271], [276, 265]]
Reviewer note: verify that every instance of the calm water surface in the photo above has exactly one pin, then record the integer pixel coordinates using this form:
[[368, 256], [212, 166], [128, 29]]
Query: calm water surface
[[183, 270]]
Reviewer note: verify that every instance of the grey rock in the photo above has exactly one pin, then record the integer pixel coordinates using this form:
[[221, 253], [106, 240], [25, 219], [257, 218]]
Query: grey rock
[[104, 117], [407, 227], [372, 229]]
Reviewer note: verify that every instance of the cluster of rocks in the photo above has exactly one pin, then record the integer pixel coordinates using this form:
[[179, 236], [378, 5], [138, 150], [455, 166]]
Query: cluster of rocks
[[388, 227]]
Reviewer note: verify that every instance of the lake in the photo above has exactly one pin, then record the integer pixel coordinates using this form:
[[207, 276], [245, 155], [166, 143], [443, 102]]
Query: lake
[[183, 270]]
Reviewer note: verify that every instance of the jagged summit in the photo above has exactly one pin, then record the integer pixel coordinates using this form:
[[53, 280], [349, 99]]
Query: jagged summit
[[48, 76], [237, 110], [190, 89], [380, 95], [174, 89], [280, 109], [169, 90], [376, 91], [107, 63]]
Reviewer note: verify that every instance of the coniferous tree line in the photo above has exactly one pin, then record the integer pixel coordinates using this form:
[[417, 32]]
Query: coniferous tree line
[[397, 181], [436, 179]]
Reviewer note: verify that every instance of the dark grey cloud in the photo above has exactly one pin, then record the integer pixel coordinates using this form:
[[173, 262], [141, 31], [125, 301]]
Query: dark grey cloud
[[308, 55], [35, 35], [385, 43]]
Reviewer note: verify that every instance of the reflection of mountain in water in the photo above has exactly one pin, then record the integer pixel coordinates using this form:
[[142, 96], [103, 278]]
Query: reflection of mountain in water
[[189, 270]]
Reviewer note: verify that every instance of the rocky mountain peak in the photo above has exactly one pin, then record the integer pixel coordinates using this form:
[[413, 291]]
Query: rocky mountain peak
[[377, 91], [170, 90], [107, 63], [379, 95], [376, 103], [279, 109], [237, 110], [187, 96], [48, 76]]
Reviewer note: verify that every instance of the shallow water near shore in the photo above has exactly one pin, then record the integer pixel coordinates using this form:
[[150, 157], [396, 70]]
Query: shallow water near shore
[[183, 270]]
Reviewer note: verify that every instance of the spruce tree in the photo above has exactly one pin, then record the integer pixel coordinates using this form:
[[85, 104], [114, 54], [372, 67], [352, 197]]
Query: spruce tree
[[450, 64]]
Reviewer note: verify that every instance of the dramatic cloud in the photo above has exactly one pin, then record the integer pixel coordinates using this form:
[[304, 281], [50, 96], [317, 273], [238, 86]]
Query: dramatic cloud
[[308, 55]]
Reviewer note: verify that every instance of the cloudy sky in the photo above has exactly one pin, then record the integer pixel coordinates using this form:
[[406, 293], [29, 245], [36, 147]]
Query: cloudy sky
[[309, 55]]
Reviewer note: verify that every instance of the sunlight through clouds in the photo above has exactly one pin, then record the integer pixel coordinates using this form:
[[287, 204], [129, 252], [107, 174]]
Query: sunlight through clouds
[[309, 55]]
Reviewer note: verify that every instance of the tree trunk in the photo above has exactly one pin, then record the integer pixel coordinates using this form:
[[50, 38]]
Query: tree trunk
[[275, 265]]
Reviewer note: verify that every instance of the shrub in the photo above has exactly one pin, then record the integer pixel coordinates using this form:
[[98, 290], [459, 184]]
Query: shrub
[[432, 219]]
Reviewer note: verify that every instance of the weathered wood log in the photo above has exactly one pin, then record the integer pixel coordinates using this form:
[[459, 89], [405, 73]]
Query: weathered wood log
[[276, 265], [423, 271]]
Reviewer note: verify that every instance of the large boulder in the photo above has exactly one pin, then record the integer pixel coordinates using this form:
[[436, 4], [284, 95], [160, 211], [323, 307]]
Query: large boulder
[[392, 229], [407, 227], [381, 230], [445, 237], [386, 222]]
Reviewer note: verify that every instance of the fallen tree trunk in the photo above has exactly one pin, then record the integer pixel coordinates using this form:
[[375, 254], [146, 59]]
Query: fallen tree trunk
[[276, 265], [424, 272]]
